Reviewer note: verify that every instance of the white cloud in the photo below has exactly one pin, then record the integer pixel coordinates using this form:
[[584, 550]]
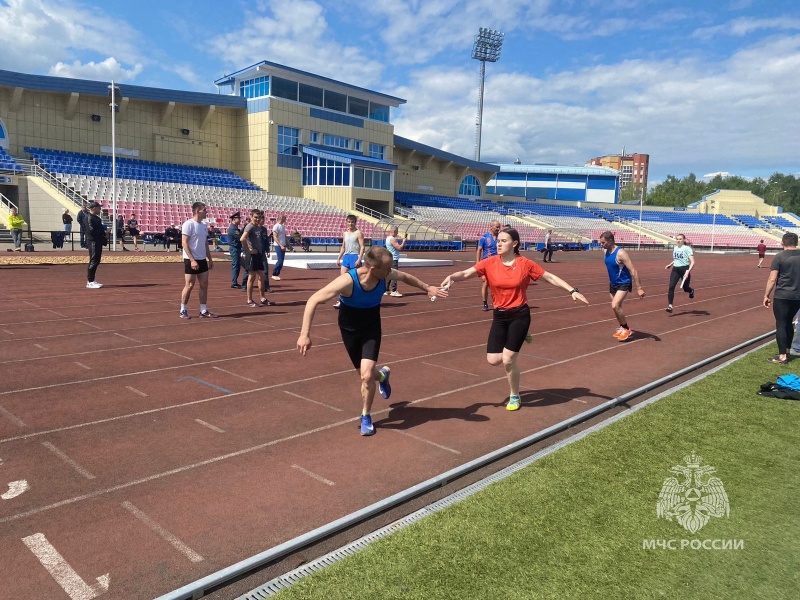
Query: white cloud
[[40, 35], [746, 25], [106, 70]]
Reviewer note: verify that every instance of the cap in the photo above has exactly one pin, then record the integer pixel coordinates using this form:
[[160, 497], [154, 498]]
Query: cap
[[94, 205], [236, 215]]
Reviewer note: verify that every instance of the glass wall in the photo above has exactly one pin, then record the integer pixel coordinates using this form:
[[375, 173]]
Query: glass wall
[[288, 138], [470, 186]]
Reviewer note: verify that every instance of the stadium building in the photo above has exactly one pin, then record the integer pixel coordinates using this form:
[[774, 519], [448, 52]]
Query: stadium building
[[551, 182]]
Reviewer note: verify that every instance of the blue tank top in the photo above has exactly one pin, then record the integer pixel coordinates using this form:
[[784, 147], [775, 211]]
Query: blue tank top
[[618, 274], [361, 298]]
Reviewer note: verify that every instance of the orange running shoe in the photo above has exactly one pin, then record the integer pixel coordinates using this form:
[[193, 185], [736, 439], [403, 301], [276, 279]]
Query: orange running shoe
[[618, 331], [626, 333]]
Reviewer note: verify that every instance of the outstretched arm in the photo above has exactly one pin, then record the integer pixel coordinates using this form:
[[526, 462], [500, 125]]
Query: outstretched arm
[[558, 282], [431, 290], [460, 276]]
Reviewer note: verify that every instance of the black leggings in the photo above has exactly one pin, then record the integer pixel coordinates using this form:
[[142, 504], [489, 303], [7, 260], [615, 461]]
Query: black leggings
[[95, 254], [674, 278], [784, 311]]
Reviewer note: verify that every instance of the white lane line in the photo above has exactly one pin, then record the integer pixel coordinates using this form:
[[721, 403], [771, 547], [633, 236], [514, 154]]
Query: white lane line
[[11, 417], [55, 312], [449, 369], [210, 426], [68, 460], [169, 537], [127, 337], [8, 332], [89, 324], [135, 391], [40, 347], [176, 354], [421, 439], [235, 374], [313, 475], [31, 303], [314, 401], [72, 583], [83, 365]]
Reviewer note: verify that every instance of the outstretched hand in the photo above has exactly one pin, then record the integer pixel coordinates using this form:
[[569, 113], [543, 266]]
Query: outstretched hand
[[303, 344], [578, 296]]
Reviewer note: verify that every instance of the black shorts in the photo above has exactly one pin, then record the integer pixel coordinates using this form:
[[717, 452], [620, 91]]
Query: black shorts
[[253, 262], [133, 231], [361, 333], [761, 255], [509, 328], [625, 287], [201, 264]]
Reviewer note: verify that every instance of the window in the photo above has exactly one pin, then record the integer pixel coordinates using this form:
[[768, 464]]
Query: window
[[310, 94], [288, 140], [376, 151], [254, 88], [357, 145], [336, 141], [372, 179], [358, 107], [379, 112], [283, 88], [470, 186], [314, 137], [322, 171], [335, 101]]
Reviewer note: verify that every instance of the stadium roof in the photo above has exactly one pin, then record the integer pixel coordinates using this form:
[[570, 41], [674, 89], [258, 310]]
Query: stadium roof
[[454, 158], [557, 170], [269, 68], [46, 83]]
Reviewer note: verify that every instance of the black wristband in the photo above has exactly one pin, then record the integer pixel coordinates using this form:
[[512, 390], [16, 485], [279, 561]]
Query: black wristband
[[574, 291]]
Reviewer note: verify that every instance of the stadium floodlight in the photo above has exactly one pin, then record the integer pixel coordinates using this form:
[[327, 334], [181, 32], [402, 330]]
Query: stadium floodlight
[[487, 48], [113, 91]]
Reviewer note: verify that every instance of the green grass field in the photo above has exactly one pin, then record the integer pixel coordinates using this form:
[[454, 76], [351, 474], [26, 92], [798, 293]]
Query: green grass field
[[573, 524]]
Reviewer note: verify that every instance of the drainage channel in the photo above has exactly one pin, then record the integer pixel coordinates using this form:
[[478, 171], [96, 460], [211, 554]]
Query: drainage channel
[[212, 582]]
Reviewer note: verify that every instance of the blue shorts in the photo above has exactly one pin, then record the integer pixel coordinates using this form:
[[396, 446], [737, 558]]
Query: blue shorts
[[349, 261]]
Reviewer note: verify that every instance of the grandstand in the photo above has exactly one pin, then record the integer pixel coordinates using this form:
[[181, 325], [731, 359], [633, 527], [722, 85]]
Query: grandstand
[[7, 162]]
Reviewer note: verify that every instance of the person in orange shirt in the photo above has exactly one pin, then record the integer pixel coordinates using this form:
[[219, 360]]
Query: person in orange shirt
[[508, 275]]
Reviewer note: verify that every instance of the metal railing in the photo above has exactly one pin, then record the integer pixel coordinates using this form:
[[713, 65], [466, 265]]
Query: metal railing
[[37, 171]]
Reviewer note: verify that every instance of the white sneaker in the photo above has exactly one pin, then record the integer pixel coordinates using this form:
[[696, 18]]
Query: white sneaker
[[276, 278], [94, 285], [396, 294]]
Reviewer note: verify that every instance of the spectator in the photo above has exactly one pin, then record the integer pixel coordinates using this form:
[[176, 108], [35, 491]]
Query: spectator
[[66, 218], [784, 278], [95, 240], [352, 249], [133, 229], [83, 222], [394, 247], [235, 248], [251, 243], [266, 241], [15, 224], [279, 238], [548, 246], [172, 235], [121, 232], [762, 252], [197, 261]]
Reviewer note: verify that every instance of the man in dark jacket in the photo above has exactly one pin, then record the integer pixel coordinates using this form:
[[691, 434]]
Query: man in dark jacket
[[235, 248], [83, 221], [95, 240]]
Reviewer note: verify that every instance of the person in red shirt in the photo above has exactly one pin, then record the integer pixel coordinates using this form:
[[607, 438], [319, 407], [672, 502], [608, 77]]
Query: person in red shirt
[[762, 251], [508, 275]]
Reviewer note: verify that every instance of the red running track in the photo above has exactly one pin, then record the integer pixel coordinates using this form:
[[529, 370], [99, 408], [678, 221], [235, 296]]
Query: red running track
[[156, 451]]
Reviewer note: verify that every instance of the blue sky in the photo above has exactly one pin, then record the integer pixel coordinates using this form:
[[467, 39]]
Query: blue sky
[[701, 86]]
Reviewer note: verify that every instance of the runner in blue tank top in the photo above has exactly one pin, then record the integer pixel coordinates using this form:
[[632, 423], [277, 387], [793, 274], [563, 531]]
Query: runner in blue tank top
[[360, 292], [622, 276]]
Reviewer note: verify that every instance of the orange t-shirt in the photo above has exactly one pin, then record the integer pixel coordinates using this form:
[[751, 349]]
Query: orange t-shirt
[[508, 284]]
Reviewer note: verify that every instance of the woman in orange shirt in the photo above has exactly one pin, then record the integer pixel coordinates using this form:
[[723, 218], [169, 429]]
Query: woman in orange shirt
[[508, 275]]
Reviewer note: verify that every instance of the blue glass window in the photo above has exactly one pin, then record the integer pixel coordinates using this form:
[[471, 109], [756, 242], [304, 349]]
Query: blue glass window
[[357, 106], [379, 112], [254, 88], [470, 186], [323, 171], [372, 179], [336, 141], [377, 151], [284, 88], [288, 140]]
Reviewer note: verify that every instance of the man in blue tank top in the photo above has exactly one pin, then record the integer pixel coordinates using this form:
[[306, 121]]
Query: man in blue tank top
[[622, 276], [360, 292]]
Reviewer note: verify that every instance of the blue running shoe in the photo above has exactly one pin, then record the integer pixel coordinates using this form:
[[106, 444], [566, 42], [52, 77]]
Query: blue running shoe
[[367, 428], [185, 315], [383, 386]]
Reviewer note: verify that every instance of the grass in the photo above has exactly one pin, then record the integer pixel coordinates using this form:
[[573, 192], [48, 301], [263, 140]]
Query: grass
[[573, 524]]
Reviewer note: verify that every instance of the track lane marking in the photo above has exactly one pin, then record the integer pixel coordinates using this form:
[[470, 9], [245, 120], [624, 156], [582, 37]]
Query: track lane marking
[[166, 535], [62, 455]]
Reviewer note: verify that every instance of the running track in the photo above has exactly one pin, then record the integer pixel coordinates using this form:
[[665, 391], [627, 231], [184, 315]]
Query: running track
[[156, 451]]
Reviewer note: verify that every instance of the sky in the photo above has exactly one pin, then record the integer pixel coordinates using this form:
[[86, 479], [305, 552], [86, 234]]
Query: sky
[[702, 86]]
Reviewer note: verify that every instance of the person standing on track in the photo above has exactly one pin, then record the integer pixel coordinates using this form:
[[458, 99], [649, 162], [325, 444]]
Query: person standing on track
[[279, 237], [352, 249], [508, 275], [682, 264], [197, 261], [487, 246], [762, 252], [95, 240], [622, 276], [360, 291], [548, 246], [784, 278], [235, 248], [253, 258], [394, 247]]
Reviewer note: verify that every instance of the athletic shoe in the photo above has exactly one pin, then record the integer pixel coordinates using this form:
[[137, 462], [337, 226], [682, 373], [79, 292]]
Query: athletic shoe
[[387, 293], [338, 304], [265, 302], [777, 360], [367, 428], [626, 333], [618, 331], [529, 339], [485, 307], [691, 294], [513, 403], [185, 314], [235, 286], [208, 315], [94, 285], [276, 278], [669, 308], [383, 386], [396, 294]]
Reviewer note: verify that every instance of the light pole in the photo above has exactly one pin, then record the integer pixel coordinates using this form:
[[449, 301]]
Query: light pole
[[113, 106], [487, 47], [641, 205], [713, 222]]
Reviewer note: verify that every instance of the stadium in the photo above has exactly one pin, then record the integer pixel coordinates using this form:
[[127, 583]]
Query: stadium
[[151, 457]]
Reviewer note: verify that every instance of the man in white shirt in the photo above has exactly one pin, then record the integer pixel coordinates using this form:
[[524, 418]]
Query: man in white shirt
[[196, 260], [279, 239], [394, 247]]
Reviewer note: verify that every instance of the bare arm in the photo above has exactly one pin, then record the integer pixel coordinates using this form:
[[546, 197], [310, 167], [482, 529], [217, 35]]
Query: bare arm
[[431, 290], [558, 282], [625, 260], [341, 253], [771, 281], [341, 285], [478, 253], [396, 245], [460, 276], [360, 239], [691, 263]]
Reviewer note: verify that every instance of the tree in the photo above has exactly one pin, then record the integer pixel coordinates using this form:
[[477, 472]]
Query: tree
[[779, 190]]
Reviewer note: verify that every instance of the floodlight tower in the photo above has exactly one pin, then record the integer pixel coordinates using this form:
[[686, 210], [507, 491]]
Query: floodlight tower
[[487, 47]]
